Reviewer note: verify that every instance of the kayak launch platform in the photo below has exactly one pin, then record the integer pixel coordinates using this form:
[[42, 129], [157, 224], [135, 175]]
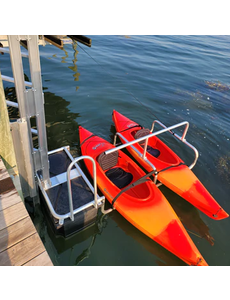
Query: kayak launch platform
[[71, 200]]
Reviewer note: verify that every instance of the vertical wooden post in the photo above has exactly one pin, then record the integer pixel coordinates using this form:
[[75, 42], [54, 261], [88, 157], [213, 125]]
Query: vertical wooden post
[[6, 143]]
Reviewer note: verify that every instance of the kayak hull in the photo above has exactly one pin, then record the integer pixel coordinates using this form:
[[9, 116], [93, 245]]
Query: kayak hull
[[177, 176], [144, 206]]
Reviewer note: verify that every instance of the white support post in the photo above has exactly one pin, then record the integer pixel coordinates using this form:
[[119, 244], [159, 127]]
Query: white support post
[[30, 103], [35, 71]]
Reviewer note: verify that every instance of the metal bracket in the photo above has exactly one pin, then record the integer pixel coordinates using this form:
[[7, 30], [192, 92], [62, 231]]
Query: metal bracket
[[37, 160], [30, 106]]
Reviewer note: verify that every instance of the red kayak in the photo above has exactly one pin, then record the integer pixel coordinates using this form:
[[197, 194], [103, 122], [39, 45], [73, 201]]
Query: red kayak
[[143, 205], [172, 171]]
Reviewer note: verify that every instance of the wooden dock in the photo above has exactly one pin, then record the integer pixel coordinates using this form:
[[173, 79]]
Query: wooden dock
[[20, 244]]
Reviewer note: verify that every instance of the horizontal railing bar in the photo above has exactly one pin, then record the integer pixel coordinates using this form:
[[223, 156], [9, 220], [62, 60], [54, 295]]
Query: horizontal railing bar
[[11, 103], [145, 137], [181, 138], [164, 126], [135, 149], [15, 104], [56, 150], [5, 50], [11, 79], [34, 131]]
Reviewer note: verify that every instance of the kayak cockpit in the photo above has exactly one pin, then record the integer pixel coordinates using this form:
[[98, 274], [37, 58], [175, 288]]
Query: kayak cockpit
[[112, 169], [122, 173]]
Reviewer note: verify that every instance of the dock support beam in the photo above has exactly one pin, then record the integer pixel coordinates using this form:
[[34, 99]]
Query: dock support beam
[[30, 104], [82, 39], [24, 157]]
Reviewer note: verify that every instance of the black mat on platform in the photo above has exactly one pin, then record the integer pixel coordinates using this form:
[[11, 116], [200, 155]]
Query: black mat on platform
[[58, 195], [81, 194], [59, 163]]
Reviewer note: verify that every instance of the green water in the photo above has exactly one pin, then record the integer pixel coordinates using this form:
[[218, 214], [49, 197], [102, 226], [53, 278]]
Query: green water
[[172, 78]]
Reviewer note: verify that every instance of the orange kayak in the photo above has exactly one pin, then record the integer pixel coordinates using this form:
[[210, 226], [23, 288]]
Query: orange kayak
[[143, 205], [172, 171]]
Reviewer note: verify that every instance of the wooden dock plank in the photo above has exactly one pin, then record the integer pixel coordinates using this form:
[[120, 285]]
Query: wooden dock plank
[[8, 194], [20, 243], [22, 252], [9, 199], [41, 260], [12, 214], [16, 233], [3, 173]]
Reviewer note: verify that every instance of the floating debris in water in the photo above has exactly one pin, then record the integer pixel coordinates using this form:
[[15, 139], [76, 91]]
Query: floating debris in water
[[217, 86], [224, 167], [199, 100]]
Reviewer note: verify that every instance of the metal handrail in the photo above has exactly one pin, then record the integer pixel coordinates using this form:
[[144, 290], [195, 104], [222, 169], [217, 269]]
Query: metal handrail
[[98, 201], [69, 183], [180, 138], [11, 79], [4, 50], [169, 129], [164, 126]]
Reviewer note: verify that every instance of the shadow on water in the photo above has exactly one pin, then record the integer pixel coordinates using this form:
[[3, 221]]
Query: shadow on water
[[189, 215], [164, 257], [61, 124], [71, 250]]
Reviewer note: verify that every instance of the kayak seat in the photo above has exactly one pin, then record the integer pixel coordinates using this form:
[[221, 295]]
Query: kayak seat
[[143, 132], [117, 175], [108, 161]]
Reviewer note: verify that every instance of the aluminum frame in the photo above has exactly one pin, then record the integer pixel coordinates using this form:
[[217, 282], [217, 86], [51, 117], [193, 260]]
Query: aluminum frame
[[97, 202], [30, 101], [69, 183], [145, 138]]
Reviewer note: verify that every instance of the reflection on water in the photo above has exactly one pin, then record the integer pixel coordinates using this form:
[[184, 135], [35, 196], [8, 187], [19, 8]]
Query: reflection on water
[[165, 257], [74, 67], [65, 60], [72, 250], [61, 124], [189, 215]]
